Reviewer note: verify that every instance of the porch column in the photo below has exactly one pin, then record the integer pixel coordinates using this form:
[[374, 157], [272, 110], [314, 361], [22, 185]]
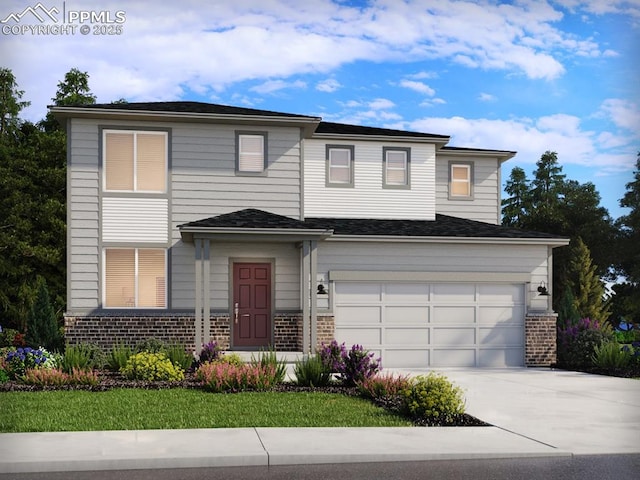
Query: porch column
[[304, 291], [202, 296], [313, 277]]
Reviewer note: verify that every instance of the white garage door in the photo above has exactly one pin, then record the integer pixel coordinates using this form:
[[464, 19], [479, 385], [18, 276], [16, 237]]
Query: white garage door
[[433, 325]]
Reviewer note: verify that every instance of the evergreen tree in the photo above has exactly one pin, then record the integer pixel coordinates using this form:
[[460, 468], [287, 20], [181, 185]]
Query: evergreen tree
[[72, 91], [585, 284], [10, 105], [516, 207], [42, 325], [546, 194]]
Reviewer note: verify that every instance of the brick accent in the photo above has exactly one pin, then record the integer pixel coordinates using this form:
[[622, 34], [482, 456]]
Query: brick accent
[[107, 331], [540, 339]]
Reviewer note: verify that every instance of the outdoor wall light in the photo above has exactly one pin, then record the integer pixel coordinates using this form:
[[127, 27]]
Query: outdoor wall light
[[321, 290], [542, 290]]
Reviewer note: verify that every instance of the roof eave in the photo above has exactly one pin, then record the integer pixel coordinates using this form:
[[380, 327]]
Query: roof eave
[[501, 155], [552, 242], [309, 124], [438, 141], [188, 233]]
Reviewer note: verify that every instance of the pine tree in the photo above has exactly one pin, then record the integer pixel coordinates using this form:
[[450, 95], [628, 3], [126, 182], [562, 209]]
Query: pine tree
[[516, 207], [42, 325], [585, 284]]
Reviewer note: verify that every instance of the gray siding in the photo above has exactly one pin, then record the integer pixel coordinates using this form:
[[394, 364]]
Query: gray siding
[[82, 217], [484, 206], [529, 260]]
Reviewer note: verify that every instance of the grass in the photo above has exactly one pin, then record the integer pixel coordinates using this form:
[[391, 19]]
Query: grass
[[133, 409]]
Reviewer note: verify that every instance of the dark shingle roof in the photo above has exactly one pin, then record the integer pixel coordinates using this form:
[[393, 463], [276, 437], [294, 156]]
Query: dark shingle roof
[[193, 107], [346, 129], [249, 218], [443, 226]]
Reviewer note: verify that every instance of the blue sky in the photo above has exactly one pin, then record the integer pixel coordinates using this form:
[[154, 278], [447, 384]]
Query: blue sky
[[528, 76]]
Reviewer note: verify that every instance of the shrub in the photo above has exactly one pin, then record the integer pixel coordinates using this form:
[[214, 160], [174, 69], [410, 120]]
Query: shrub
[[332, 356], [19, 360], [358, 365], [610, 355], [312, 372], [4, 376], [38, 376], [269, 359], [577, 342], [42, 324], [380, 386], [179, 356], [118, 357], [231, 359], [218, 377], [627, 336], [11, 338], [210, 352], [151, 345], [433, 396], [151, 366], [84, 356]]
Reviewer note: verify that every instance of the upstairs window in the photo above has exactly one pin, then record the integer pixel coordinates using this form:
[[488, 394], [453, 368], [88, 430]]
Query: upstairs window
[[460, 180], [396, 167], [135, 278], [135, 161], [251, 149], [340, 165]]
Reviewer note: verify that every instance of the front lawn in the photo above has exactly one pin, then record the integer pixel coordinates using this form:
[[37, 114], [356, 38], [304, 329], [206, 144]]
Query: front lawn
[[176, 408]]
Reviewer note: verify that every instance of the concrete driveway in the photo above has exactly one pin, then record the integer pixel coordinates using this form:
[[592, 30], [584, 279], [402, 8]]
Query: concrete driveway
[[572, 411]]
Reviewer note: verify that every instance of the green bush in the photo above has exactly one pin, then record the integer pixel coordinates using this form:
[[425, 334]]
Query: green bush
[[151, 366], [42, 324], [83, 356], [118, 357], [230, 359], [11, 338], [179, 356], [433, 396], [4, 376], [611, 355], [311, 372], [627, 336], [151, 345], [269, 359], [581, 351]]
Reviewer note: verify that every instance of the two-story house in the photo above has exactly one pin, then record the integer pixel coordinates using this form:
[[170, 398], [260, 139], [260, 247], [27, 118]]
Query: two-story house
[[191, 221]]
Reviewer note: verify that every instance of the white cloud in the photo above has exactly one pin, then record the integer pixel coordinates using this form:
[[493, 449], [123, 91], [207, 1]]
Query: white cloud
[[486, 97], [172, 48], [623, 114], [272, 86], [329, 85], [381, 104], [418, 87]]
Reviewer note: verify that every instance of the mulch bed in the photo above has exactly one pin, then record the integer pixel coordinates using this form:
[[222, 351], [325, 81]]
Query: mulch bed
[[111, 380]]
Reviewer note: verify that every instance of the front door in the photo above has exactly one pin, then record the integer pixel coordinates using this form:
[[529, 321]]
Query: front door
[[251, 304]]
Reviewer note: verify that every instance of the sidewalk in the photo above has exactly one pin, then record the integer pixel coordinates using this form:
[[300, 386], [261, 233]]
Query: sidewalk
[[123, 450]]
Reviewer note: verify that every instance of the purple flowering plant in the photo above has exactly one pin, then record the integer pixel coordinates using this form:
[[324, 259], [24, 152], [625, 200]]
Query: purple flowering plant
[[352, 366], [22, 358], [210, 352]]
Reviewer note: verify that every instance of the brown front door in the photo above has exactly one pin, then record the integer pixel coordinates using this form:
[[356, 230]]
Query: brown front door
[[251, 304]]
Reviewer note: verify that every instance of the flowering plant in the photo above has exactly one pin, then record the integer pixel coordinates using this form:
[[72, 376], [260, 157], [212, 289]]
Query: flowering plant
[[332, 356], [353, 366], [210, 352], [19, 360]]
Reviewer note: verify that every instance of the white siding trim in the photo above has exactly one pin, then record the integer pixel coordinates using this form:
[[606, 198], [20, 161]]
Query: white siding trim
[[135, 220]]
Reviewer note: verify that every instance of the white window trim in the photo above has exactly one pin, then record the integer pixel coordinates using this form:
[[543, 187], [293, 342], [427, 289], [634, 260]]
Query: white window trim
[[469, 181], [135, 159], [135, 279], [265, 147]]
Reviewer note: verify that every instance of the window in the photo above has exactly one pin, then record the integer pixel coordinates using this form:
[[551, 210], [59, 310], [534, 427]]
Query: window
[[135, 278], [251, 149], [340, 165], [460, 180], [396, 166], [135, 161]]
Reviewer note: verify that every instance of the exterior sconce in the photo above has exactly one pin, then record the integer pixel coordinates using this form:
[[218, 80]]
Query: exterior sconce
[[321, 290], [542, 290]]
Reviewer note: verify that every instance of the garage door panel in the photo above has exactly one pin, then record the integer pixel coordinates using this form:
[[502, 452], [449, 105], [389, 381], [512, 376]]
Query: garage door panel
[[501, 315], [406, 336], [454, 337], [360, 336], [449, 315], [359, 314], [453, 358], [501, 357], [460, 292], [502, 336], [359, 292], [405, 358], [407, 293], [406, 315], [504, 294]]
